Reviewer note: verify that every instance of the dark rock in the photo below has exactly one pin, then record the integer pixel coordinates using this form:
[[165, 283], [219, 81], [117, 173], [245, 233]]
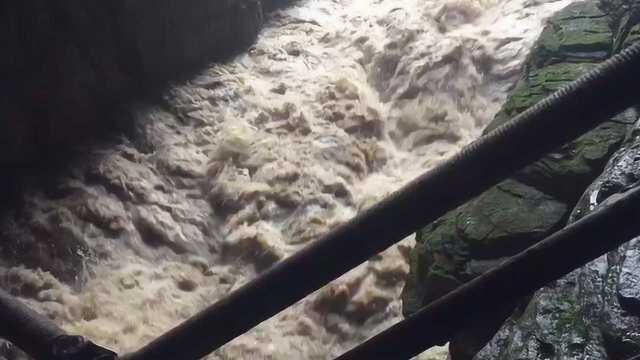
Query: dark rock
[[53, 243], [580, 32], [566, 172], [562, 321], [508, 218], [593, 311], [504, 220], [628, 282], [70, 64]]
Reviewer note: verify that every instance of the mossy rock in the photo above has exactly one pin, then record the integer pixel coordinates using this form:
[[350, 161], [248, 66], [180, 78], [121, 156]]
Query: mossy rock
[[628, 30], [553, 326], [437, 262], [500, 222], [578, 33], [537, 200], [568, 171], [509, 218], [535, 85]]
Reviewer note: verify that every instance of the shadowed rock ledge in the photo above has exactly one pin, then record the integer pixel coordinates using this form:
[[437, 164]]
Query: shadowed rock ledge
[[66, 66]]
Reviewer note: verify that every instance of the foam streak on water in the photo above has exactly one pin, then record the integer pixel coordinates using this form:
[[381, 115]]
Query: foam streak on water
[[339, 103]]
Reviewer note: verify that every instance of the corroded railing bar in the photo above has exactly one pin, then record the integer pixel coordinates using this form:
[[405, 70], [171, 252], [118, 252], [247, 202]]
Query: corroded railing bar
[[40, 337], [559, 254], [28, 330], [556, 120]]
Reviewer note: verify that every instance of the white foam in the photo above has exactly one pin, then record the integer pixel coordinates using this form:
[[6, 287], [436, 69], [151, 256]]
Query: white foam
[[338, 104]]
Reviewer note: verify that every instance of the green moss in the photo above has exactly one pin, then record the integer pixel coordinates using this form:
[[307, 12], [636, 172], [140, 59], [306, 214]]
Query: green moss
[[566, 172], [535, 86], [524, 209], [508, 218], [570, 319], [579, 33]]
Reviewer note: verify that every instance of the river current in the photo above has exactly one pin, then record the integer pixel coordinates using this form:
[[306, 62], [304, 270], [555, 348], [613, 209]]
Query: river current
[[338, 103]]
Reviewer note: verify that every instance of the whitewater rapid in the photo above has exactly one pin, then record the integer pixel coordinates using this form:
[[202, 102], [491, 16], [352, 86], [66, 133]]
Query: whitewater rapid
[[339, 103]]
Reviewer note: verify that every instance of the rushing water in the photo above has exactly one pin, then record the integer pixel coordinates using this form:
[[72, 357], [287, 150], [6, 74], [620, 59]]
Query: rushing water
[[339, 103]]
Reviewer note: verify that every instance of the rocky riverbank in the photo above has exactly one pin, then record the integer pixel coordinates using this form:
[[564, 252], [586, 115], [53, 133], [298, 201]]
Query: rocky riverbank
[[221, 175], [590, 313]]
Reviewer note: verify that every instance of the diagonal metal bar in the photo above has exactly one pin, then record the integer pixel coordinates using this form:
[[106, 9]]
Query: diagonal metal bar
[[558, 119], [566, 250], [40, 337], [23, 327]]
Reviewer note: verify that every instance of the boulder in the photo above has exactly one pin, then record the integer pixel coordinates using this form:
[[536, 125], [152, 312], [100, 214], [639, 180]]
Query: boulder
[[532, 204]]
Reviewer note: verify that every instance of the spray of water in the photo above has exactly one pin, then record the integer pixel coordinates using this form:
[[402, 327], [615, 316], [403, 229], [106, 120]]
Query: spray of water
[[339, 103]]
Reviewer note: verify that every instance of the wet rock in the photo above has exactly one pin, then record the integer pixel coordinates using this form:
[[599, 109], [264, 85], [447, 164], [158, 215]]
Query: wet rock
[[624, 20], [553, 326], [592, 309], [580, 32], [565, 173], [506, 219], [559, 322], [87, 67], [628, 283]]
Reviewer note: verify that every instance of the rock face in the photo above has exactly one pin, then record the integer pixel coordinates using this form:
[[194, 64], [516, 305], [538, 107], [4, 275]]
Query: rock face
[[592, 312], [68, 64]]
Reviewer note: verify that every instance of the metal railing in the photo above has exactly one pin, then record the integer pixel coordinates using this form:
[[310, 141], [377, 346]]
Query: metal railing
[[556, 120]]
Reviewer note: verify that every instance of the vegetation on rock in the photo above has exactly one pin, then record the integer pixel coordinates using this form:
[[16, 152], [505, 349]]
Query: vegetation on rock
[[563, 320]]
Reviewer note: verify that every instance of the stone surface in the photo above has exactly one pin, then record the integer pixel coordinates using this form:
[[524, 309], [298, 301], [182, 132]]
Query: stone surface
[[594, 310], [501, 222], [73, 65], [558, 322]]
